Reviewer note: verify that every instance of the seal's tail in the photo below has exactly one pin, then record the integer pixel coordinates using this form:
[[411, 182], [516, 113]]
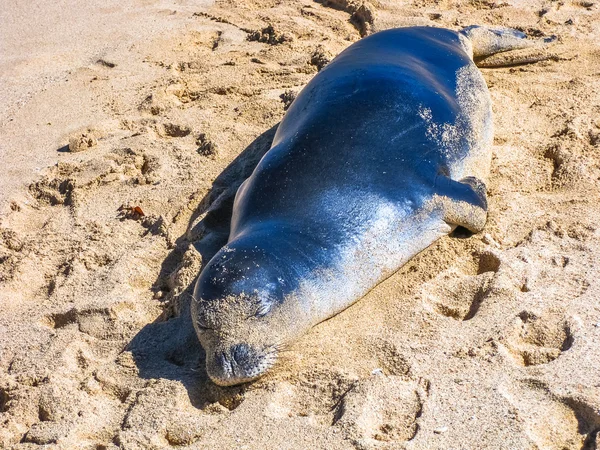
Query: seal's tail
[[501, 47]]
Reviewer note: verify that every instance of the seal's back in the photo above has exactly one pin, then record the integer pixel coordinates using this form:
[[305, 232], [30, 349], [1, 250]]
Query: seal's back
[[384, 118]]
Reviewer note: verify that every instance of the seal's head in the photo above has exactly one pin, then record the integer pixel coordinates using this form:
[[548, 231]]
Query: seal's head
[[241, 314]]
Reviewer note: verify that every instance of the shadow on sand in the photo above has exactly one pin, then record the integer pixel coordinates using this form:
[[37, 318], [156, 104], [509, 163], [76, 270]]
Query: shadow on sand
[[168, 348]]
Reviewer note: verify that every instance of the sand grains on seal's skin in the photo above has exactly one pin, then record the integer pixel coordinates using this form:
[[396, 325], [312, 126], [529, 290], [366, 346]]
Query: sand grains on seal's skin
[[368, 258], [474, 128]]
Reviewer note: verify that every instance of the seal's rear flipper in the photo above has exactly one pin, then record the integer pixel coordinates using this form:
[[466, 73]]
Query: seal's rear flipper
[[501, 47], [464, 203]]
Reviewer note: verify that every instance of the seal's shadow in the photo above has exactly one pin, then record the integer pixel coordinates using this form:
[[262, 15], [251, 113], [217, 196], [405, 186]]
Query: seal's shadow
[[168, 347]]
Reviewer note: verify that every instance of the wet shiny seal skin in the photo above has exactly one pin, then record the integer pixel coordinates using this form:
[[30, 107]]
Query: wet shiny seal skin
[[382, 153]]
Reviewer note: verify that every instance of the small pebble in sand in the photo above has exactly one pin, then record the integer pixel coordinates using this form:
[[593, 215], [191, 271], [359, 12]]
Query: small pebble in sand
[[440, 430], [377, 371], [130, 212]]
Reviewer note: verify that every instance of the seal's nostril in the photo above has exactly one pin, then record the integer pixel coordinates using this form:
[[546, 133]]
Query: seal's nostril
[[240, 354]]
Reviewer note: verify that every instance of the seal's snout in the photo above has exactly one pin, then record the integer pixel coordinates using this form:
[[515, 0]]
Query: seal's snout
[[238, 364]]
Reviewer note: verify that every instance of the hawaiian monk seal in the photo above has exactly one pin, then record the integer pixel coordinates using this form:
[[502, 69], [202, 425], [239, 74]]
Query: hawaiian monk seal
[[382, 153]]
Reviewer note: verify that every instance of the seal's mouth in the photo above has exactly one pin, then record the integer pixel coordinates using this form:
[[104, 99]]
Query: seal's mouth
[[240, 364]]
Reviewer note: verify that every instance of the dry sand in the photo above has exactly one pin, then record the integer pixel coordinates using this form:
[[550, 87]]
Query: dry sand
[[486, 342]]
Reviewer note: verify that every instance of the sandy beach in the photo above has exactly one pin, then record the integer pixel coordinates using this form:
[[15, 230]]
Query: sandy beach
[[123, 125]]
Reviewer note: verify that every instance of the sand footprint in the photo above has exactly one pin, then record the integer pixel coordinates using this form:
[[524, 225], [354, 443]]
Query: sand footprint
[[162, 415], [380, 411], [553, 422], [458, 295], [67, 184], [538, 338], [53, 191], [105, 323]]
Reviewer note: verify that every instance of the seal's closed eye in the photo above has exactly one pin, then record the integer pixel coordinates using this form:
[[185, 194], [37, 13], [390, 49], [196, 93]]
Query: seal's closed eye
[[263, 307], [201, 323]]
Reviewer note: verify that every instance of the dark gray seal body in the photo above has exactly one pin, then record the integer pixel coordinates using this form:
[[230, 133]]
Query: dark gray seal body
[[381, 154]]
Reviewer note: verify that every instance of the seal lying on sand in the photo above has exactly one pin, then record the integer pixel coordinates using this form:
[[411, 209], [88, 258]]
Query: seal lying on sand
[[381, 154]]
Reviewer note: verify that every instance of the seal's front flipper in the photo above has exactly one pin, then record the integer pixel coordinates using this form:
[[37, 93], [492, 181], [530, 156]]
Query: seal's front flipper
[[464, 203], [501, 47]]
